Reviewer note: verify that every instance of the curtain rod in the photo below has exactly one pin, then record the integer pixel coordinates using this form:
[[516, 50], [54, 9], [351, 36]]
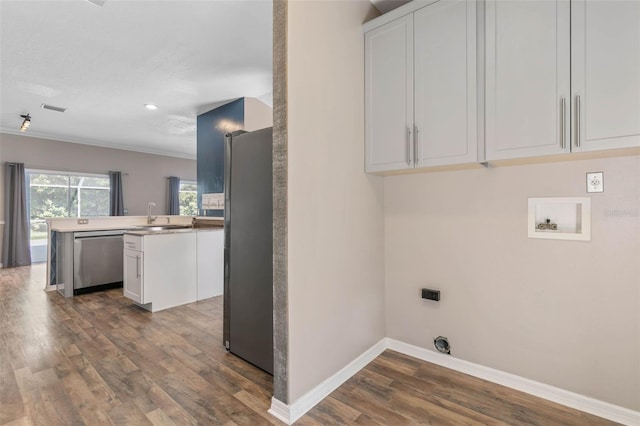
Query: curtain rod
[[49, 171]]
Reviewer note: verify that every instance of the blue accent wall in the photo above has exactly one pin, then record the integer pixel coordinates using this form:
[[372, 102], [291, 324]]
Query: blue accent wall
[[211, 128]]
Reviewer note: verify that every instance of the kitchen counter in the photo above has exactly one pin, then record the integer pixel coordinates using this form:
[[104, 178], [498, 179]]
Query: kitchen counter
[[113, 222], [210, 218], [60, 241], [208, 222], [143, 232], [79, 228], [167, 268]]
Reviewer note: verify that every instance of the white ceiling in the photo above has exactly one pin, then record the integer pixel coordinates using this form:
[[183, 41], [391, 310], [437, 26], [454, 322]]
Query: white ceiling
[[105, 63]]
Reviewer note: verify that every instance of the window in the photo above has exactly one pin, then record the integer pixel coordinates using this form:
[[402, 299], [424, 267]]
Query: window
[[188, 198], [62, 194]]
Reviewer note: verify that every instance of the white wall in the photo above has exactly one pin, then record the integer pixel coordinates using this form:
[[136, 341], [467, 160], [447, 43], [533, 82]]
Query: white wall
[[336, 236], [145, 178], [565, 313]]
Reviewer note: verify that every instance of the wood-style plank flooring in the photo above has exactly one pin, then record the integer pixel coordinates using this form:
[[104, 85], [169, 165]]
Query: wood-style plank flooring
[[396, 389], [98, 359]]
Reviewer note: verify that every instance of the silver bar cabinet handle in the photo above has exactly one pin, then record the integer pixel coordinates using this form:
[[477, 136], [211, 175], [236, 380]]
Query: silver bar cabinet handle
[[577, 120], [137, 266], [562, 127], [408, 145], [416, 145]]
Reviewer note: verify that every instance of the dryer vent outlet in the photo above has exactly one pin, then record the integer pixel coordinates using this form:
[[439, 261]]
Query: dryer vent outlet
[[442, 345]]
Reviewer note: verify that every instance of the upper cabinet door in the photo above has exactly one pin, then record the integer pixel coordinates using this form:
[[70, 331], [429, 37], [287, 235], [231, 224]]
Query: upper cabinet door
[[389, 96], [527, 78], [605, 74], [445, 83]]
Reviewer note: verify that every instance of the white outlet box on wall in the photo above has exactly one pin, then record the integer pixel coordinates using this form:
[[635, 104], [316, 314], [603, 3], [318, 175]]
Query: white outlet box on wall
[[213, 201], [566, 218]]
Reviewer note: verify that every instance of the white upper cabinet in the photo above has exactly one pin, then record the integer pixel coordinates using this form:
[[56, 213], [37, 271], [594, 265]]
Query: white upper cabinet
[[389, 96], [445, 100], [463, 81], [421, 86], [605, 74], [527, 78], [561, 77]]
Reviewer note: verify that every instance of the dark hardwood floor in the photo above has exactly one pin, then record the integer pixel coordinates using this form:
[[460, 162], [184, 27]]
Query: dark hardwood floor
[[98, 359]]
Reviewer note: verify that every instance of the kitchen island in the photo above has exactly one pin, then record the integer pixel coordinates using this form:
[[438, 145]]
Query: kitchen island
[[168, 268], [65, 237]]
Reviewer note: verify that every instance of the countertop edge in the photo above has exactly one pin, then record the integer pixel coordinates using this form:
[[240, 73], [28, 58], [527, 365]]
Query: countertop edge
[[144, 233]]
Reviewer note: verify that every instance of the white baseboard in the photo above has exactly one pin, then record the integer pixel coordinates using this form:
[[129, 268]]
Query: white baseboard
[[290, 413], [279, 410], [548, 392]]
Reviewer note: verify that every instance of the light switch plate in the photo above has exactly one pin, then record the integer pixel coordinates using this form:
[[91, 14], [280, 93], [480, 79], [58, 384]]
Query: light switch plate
[[595, 182]]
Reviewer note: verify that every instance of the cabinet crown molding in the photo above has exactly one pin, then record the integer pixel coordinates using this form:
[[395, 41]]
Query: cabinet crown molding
[[396, 13]]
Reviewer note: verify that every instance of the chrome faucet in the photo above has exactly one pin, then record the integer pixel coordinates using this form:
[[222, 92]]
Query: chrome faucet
[[150, 219]]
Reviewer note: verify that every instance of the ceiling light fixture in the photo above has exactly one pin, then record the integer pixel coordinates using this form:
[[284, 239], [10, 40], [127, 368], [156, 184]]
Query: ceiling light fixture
[[150, 106], [26, 123]]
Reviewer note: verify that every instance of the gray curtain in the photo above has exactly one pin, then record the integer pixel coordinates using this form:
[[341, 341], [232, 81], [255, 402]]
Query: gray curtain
[[15, 242], [174, 192], [116, 205]]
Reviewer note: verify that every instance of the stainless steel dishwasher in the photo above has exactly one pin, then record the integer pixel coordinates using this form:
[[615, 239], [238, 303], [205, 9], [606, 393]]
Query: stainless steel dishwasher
[[97, 260]]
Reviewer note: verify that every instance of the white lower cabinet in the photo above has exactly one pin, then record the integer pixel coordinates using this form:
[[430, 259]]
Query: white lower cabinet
[[210, 263], [163, 273], [133, 275]]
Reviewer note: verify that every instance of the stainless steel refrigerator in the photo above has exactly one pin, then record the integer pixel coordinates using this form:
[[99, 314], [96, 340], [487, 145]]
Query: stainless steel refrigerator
[[248, 249]]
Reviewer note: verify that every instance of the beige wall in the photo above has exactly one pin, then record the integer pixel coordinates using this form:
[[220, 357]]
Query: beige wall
[[257, 115], [336, 236], [146, 173], [565, 313]]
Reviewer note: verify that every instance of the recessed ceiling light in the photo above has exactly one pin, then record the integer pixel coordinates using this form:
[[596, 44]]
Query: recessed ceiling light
[[150, 106]]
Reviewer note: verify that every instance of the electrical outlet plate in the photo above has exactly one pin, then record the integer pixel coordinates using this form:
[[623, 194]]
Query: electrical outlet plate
[[595, 182], [431, 294]]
